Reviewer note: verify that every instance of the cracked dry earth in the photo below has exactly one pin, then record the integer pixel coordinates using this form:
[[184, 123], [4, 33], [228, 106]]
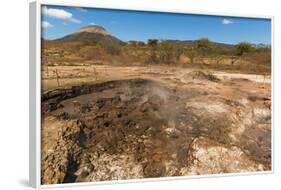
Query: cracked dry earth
[[145, 128]]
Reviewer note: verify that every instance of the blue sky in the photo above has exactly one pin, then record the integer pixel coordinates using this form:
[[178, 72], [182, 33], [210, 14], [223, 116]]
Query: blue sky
[[58, 21]]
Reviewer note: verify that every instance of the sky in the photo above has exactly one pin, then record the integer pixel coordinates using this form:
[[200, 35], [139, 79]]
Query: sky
[[58, 21]]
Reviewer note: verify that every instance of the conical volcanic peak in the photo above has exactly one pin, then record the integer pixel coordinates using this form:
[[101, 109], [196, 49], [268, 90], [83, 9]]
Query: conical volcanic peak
[[92, 33], [93, 29]]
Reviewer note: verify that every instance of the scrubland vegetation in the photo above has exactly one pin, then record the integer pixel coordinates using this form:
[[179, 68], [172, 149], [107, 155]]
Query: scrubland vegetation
[[243, 57]]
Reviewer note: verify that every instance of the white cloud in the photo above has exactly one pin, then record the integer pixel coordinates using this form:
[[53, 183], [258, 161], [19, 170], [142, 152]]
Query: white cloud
[[227, 21], [59, 14], [46, 24], [81, 9], [56, 13], [75, 20], [92, 23]]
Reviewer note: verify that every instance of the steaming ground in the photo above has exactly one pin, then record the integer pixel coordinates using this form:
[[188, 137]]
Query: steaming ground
[[112, 123]]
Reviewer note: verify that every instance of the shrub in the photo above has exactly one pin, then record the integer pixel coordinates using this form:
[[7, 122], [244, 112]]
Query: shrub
[[152, 42], [203, 43], [243, 47], [212, 77]]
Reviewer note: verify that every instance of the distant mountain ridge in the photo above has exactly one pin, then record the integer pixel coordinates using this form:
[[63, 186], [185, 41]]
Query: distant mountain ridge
[[193, 43], [98, 34]]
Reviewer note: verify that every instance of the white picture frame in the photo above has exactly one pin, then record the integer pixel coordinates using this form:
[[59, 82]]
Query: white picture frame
[[35, 93]]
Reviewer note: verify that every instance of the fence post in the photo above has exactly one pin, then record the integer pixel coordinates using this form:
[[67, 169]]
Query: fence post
[[95, 73], [57, 75], [46, 58]]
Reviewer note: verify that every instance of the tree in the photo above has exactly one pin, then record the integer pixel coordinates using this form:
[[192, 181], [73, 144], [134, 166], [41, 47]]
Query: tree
[[169, 52], [243, 47], [152, 42], [166, 52], [132, 42], [140, 43], [203, 46], [203, 43]]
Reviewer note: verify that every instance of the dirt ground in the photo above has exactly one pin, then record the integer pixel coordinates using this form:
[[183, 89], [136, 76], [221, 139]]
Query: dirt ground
[[111, 123]]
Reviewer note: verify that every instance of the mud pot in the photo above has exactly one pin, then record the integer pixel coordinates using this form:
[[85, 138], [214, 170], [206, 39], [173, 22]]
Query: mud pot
[[143, 128]]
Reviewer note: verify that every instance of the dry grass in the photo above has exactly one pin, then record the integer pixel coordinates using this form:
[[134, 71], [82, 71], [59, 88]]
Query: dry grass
[[81, 53]]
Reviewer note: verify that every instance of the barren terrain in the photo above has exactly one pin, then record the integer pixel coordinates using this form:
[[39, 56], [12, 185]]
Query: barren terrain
[[105, 122]]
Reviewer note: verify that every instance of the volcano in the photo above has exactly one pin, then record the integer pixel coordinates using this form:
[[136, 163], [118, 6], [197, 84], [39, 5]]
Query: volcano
[[93, 34]]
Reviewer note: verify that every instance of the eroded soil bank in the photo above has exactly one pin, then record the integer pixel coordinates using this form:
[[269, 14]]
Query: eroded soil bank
[[155, 125]]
